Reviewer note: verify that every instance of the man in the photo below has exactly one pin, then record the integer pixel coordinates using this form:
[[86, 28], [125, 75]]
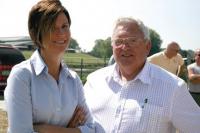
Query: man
[[194, 77], [169, 59], [134, 96]]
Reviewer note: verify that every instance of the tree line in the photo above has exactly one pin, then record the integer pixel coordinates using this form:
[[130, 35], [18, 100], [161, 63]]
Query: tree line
[[103, 48]]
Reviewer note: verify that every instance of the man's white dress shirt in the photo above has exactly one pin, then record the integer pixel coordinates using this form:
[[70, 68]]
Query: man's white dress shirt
[[155, 101]]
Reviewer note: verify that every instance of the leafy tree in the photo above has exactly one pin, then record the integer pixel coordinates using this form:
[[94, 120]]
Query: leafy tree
[[155, 42], [73, 44], [102, 48], [183, 53]]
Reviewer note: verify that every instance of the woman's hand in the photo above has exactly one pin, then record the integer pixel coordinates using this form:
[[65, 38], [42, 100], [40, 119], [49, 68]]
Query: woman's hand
[[78, 118], [41, 128]]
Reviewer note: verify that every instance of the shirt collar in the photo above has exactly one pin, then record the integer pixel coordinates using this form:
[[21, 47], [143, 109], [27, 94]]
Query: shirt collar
[[143, 76], [40, 66], [65, 69], [38, 63]]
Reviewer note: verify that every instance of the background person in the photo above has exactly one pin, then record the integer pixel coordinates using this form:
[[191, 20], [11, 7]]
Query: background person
[[135, 96], [43, 94], [169, 59], [194, 77]]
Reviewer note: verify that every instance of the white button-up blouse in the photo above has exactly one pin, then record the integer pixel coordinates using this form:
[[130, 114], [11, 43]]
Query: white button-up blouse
[[34, 96]]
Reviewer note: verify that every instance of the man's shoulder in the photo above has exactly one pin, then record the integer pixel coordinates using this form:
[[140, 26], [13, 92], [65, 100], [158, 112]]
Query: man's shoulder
[[191, 65], [158, 73], [156, 55], [179, 56]]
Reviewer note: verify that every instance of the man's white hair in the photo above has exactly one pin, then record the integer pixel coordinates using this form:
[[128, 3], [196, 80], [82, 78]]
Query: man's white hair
[[143, 28]]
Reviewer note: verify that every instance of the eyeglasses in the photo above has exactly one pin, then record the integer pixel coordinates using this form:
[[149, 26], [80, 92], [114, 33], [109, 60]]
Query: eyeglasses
[[130, 41]]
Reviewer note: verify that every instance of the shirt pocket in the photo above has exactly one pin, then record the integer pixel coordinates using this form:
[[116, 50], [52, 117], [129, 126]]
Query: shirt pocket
[[144, 120], [153, 117]]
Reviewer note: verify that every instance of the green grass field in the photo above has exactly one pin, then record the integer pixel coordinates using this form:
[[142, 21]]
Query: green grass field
[[73, 57], [1, 98]]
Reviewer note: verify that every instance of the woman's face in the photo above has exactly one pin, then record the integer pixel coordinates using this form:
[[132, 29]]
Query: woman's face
[[57, 40]]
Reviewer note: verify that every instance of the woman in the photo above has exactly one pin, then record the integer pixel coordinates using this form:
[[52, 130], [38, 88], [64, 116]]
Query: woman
[[42, 94]]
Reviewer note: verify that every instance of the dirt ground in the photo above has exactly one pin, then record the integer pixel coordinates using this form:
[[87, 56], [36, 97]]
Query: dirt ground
[[3, 121]]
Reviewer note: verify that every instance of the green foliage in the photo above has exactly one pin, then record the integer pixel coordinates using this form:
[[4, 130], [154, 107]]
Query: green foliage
[[102, 48], [155, 42], [1, 97], [27, 54], [183, 53], [74, 44], [75, 58]]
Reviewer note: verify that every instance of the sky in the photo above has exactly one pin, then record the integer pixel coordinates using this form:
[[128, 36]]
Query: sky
[[173, 20]]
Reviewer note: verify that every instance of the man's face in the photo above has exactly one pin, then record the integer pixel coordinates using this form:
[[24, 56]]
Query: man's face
[[130, 49], [173, 50]]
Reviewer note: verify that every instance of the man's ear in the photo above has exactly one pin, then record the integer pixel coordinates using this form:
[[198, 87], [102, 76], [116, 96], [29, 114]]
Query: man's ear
[[148, 46]]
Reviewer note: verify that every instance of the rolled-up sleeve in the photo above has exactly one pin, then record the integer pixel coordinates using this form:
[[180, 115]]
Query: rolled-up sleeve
[[18, 102]]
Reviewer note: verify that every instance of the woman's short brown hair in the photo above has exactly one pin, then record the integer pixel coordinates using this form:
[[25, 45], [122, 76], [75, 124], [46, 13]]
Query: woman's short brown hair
[[42, 18]]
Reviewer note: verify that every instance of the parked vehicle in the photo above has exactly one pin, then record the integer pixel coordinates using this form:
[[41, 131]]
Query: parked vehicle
[[9, 56]]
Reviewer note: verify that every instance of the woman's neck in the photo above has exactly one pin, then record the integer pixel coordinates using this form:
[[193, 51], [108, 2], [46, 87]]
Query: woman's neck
[[53, 64]]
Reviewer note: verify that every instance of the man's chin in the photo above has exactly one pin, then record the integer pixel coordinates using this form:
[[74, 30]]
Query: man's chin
[[126, 64]]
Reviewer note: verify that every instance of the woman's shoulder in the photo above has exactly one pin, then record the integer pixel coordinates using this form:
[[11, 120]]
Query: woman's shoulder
[[22, 69]]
